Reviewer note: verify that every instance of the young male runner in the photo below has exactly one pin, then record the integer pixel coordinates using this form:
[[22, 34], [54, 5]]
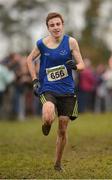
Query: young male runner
[[55, 85]]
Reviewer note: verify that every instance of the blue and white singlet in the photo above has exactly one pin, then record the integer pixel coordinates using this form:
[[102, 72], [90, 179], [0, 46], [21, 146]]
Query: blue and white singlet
[[53, 74]]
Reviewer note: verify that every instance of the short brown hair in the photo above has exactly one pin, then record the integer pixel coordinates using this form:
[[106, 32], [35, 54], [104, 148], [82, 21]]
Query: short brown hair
[[53, 15]]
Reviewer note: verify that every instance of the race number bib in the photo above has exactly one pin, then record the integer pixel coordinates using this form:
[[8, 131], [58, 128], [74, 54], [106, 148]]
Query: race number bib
[[56, 73]]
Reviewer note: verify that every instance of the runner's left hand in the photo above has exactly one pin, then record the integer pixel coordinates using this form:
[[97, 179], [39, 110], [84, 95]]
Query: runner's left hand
[[70, 64]]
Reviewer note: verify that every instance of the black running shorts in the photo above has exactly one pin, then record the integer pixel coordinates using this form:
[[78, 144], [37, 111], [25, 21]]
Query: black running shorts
[[66, 105]]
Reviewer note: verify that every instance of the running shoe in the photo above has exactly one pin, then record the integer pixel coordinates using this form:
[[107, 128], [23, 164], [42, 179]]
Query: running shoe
[[58, 167], [46, 129]]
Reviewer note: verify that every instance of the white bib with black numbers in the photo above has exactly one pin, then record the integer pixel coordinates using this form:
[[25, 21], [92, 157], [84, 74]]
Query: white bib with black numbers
[[56, 73]]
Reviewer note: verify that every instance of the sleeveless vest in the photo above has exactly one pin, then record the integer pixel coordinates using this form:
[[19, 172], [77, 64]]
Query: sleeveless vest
[[53, 74]]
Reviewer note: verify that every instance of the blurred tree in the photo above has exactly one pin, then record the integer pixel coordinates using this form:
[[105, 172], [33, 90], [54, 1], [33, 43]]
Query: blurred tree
[[19, 18], [92, 47]]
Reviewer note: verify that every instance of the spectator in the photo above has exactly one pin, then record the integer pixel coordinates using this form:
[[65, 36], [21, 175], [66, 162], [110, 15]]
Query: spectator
[[87, 83], [108, 81], [6, 78], [100, 99]]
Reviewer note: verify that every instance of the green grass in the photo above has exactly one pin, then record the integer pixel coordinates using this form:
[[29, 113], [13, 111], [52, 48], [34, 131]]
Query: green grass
[[26, 154]]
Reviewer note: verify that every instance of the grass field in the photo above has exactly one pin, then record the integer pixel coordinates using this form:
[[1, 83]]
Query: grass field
[[26, 154]]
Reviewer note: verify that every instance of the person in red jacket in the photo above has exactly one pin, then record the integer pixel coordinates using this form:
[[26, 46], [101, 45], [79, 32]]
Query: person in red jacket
[[87, 83]]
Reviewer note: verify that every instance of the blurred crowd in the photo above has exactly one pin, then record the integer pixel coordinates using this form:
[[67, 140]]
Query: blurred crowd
[[16, 98], [94, 88]]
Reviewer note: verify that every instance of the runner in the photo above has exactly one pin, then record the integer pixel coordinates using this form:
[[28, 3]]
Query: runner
[[59, 55]]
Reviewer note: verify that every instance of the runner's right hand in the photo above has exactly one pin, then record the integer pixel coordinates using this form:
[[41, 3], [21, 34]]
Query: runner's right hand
[[35, 83]]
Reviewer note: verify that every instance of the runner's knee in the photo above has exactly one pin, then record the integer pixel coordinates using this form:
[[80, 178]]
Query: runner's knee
[[48, 112], [62, 133], [62, 129]]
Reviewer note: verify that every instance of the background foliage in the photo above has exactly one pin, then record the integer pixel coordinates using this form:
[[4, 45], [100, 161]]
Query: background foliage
[[20, 17]]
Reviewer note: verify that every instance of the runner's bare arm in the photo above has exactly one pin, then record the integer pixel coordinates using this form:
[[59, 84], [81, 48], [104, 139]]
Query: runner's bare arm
[[34, 54], [76, 54]]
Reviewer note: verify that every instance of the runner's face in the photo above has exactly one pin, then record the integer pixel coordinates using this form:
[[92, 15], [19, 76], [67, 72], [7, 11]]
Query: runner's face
[[55, 27]]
